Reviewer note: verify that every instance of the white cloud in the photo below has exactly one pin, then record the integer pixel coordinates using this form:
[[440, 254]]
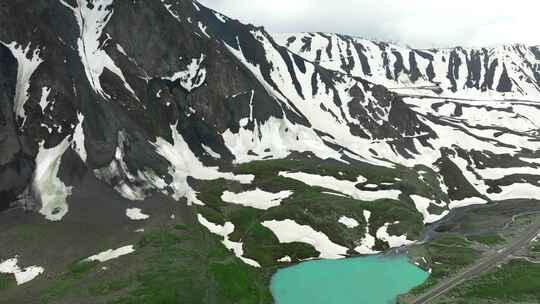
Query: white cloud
[[421, 23]]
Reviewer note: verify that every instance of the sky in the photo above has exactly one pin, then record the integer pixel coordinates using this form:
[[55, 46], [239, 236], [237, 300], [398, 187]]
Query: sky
[[418, 23]]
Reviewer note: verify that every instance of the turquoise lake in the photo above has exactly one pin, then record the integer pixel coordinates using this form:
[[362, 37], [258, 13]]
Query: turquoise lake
[[366, 280]]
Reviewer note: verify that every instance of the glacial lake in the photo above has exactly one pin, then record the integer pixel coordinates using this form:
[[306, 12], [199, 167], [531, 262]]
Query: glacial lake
[[364, 280]]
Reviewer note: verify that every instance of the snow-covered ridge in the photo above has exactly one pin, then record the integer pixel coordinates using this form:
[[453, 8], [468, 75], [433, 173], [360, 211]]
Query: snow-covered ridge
[[506, 71]]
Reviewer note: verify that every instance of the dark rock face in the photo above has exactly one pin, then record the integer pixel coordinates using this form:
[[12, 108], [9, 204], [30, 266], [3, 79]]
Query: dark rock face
[[121, 81]]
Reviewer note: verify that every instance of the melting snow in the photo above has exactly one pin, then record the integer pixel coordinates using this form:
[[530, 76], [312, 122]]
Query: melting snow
[[126, 186], [22, 276], [92, 19], [257, 198], [184, 163], [78, 139], [203, 29], [49, 189], [225, 231], [136, 214], [342, 186], [467, 202], [111, 254], [368, 242], [211, 152], [285, 259], [348, 222], [288, 231], [28, 62], [170, 10], [422, 205], [43, 103], [392, 240], [193, 77]]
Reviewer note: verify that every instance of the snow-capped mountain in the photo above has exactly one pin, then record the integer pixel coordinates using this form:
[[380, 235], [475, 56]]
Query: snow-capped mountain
[[149, 95], [503, 72]]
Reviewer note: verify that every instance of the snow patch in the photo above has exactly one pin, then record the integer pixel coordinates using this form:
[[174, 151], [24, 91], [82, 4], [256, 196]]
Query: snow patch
[[43, 103], [184, 163], [27, 62], [288, 231], [132, 187], [111, 254], [22, 276], [225, 231], [422, 205], [368, 242], [78, 139], [275, 139], [136, 214], [348, 222], [211, 152], [47, 186], [193, 77], [392, 240], [203, 29], [342, 186], [92, 20], [469, 201], [285, 259], [257, 198]]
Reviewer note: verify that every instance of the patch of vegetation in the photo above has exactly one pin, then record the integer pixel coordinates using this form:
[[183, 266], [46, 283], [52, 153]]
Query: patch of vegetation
[[262, 245], [6, 281], [160, 238], [313, 207], [68, 281], [490, 240], [238, 283], [446, 257], [107, 287], [193, 271], [181, 227], [535, 248], [517, 281]]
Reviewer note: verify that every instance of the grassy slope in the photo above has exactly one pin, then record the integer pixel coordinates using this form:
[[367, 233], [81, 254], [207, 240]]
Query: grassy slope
[[515, 282], [187, 262], [180, 265]]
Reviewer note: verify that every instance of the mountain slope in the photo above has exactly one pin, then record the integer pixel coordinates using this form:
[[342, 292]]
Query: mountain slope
[[502, 72], [272, 142]]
